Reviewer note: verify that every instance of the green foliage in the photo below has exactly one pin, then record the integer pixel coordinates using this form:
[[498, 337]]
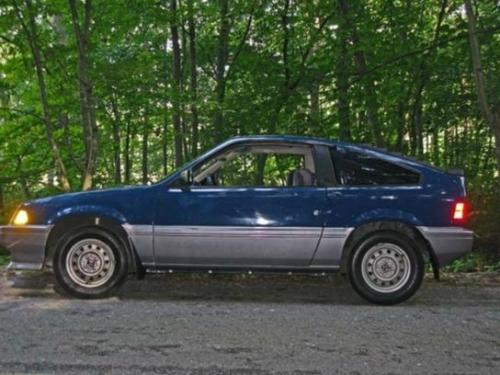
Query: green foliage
[[485, 221], [244, 170], [392, 73], [477, 261], [4, 257]]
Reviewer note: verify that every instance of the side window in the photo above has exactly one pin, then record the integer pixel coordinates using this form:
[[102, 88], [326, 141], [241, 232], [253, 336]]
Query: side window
[[359, 169], [251, 169], [259, 166]]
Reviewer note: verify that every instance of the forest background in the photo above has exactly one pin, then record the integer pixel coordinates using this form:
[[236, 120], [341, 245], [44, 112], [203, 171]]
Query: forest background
[[99, 93]]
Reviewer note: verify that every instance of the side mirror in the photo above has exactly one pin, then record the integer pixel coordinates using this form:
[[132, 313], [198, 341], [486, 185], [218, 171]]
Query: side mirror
[[186, 178]]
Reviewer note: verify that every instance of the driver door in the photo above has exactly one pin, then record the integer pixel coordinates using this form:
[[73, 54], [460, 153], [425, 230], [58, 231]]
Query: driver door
[[230, 218]]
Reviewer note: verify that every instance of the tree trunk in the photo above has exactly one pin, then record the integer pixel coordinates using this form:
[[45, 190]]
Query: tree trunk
[[285, 26], [416, 120], [315, 111], [128, 151], [145, 140], [400, 128], [22, 179], [342, 84], [164, 136], [416, 136], [284, 95], [87, 102], [490, 114], [176, 73], [261, 164], [50, 178], [116, 142], [362, 69], [220, 69], [30, 31], [193, 81], [164, 141], [184, 68], [435, 145], [2, 204], [400, 125]]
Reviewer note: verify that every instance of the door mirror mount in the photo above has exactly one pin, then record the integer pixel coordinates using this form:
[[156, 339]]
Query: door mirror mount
[[186, 178]]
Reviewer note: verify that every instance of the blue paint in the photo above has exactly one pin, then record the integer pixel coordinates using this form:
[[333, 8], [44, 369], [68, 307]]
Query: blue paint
[[428, 204], [133, 205], [293, 207]]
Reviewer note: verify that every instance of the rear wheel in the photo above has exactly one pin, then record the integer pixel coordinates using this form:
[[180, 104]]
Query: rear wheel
[[386, 268], [90, 263]]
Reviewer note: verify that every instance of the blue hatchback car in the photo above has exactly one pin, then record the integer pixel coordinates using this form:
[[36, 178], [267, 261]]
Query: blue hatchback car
[[260, 203]]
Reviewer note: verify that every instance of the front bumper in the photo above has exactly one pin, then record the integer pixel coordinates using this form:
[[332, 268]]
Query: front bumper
[[448, 243], [26, 244]]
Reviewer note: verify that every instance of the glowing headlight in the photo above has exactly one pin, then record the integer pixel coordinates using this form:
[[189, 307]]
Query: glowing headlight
[[21, 218]]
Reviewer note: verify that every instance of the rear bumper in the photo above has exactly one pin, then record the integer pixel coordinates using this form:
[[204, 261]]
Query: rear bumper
[[26, 244], [448, 243]]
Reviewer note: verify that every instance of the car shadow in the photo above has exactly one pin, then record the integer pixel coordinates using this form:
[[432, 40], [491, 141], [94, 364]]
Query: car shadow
[[260, 288], [330, 289], [243, 288]]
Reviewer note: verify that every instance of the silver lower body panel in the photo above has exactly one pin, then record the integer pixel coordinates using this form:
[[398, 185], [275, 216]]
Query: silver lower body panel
[[26, 244], [141, 237], [231, 246], [448, 243], [235, 246], [331, 246]]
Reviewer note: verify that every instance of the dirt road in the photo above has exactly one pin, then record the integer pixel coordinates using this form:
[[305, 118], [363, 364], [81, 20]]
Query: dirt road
[[254, 325]]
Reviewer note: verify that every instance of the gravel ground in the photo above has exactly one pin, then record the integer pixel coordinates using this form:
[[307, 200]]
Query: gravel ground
[[216, 324]]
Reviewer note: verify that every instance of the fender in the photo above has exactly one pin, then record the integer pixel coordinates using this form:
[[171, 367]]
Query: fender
[[106, 218], [87, 210], [386, 214], [367, 228]]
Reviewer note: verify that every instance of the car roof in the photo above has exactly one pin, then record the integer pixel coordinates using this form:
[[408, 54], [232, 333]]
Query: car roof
[[281, 138], [380, 152]]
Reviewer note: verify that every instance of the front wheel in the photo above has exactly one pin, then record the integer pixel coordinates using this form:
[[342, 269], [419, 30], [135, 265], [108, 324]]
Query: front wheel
[[386, 268], [90, 263]]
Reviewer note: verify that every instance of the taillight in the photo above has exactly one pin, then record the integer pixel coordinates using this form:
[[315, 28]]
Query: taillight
[[460, 212]]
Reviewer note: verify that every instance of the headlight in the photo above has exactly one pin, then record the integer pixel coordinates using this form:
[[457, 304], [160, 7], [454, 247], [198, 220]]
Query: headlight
[[21, 218]]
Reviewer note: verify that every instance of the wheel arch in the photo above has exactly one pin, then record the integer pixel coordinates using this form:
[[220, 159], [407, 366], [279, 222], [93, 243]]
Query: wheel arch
[[80, 221], [364, 230]]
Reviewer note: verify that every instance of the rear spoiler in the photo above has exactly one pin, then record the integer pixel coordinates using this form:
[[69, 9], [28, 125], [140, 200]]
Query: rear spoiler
[[456, 172]]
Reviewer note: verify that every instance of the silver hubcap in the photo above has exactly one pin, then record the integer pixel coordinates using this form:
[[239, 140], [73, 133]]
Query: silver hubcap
[[90, 263], [386, 267]]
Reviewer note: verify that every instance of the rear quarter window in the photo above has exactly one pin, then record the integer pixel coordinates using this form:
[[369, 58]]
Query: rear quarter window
[[353, 168]]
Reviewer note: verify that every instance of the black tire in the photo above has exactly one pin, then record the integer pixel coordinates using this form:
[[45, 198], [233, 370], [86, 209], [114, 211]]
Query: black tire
[[71, 280], [405, 281]]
